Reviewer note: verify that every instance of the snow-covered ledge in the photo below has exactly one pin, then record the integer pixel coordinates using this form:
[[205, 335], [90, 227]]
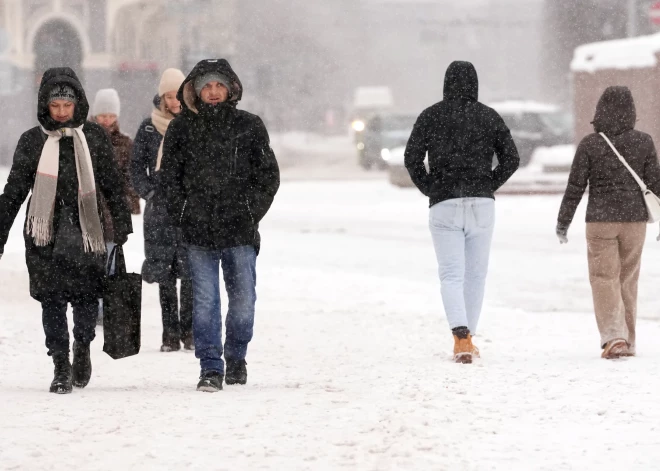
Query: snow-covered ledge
[[631, 53]]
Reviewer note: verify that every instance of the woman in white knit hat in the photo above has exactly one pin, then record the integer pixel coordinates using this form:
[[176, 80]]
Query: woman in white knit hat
[[166, 259], [106, 113]]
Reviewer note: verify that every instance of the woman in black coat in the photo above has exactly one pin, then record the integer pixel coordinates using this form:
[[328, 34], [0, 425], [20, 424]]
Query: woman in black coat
[[166, 258], [74, 276]]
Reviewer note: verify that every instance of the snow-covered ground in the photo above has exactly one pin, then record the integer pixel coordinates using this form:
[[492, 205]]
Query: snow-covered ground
[[306, 156], [350, 366]]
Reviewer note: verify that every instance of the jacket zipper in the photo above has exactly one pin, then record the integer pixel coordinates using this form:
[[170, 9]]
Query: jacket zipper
[[183, 211], [234, 161], [247, 203]]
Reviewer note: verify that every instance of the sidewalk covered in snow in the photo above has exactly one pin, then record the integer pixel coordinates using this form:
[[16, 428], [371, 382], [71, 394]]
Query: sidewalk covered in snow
[[350, 366]]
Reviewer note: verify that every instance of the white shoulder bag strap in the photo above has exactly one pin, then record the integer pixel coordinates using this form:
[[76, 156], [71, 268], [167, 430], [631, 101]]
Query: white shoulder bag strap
[[639, 181], [650, 199]]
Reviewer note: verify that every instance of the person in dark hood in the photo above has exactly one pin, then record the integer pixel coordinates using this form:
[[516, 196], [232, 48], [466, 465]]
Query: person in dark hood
[[461, 135], [616, 214], [219, 179], [67, 164], [166, 257]]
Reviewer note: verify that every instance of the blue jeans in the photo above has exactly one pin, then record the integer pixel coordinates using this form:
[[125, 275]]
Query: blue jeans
[[239, 270], [462, 231]]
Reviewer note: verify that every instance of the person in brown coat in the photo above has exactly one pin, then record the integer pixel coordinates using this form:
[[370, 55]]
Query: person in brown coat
[[106, 113], [616, 215]]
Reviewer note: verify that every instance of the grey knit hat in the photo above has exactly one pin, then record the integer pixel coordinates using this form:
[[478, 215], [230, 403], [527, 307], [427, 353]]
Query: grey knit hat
[[62, 92], [204, 79]]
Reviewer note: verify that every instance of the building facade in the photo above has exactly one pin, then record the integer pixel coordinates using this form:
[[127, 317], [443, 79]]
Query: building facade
[[123, 44]]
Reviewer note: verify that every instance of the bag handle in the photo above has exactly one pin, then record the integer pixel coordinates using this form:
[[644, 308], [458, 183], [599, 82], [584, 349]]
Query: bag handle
[[117, 255], [639, 181]]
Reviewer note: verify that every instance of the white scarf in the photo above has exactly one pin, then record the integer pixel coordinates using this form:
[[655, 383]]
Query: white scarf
[[161, 119], [44, 193]]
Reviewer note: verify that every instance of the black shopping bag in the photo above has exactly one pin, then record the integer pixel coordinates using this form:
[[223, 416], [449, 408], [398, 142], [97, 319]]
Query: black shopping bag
[[122, 309]]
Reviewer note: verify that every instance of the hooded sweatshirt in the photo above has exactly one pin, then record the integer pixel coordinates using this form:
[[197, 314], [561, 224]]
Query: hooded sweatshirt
[[614, 195], [461, 135], [219, 175]]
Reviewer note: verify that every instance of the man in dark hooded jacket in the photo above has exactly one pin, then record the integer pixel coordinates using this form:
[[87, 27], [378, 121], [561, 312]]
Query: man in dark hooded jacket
[[616, 214], [461, 135], [219, 179], [68, 165]]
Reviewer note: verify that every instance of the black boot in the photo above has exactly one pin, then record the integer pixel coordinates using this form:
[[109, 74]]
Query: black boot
[[171, 343], [210, 381], [82, 365], [236, 372], [188, 342], [62, 381]]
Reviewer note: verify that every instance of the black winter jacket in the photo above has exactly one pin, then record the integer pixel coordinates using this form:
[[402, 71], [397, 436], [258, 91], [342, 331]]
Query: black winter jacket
[[145, 153], [461, 135], [614, 195], [50, 277], [219, 173]]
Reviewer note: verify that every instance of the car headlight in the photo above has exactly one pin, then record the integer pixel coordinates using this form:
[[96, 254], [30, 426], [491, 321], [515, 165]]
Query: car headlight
[[358, 125], [360, 146], [385, 154]]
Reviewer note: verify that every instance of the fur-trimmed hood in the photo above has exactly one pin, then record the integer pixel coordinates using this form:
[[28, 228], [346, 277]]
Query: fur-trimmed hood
[[189, 98]]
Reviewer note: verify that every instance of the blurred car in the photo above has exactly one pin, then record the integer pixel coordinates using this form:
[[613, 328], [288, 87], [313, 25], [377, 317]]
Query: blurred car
[[381, 134], [367, 103], [535, 125], [397, 172]]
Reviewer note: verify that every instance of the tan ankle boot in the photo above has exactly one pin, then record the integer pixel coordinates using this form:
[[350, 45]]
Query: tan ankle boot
[[463, 349], [615, 349]]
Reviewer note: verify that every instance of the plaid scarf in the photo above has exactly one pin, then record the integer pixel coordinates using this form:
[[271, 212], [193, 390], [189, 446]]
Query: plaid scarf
[[42, 204]]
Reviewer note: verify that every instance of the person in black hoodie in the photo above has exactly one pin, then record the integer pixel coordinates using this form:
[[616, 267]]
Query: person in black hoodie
[[68, 165], [616, 214], [461, 135], [219, 179]]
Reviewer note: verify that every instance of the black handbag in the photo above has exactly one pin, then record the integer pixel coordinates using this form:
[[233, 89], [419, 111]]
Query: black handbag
[[122, 309], [68, 245]]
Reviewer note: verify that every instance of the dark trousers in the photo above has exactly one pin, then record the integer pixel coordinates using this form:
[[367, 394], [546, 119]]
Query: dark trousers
[[177, 322], [55, 324]]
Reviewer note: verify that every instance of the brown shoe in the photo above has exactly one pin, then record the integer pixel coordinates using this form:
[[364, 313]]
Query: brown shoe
[[614, 349], [463, 349]]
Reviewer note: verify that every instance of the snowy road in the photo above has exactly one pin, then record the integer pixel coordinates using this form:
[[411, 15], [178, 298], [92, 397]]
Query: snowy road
[[350, 364]]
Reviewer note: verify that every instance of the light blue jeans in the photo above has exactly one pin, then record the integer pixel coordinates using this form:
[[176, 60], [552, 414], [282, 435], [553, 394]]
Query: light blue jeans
[[462, 231]]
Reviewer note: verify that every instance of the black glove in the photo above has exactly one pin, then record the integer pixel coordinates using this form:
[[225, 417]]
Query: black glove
[[562, 233], [120, 239]]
